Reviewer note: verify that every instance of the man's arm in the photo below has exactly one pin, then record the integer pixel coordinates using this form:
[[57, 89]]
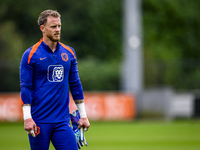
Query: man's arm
[[77, 93], [26, 77], [83, 122]]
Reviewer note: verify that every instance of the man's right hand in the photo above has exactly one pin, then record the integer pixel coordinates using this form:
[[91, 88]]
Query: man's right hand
[[30, 127]]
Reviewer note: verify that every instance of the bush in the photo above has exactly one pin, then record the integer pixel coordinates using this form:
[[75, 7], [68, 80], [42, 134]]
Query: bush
[[97, 75]]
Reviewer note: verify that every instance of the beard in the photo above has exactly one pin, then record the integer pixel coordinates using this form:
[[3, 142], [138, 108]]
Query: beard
[[54, 38]]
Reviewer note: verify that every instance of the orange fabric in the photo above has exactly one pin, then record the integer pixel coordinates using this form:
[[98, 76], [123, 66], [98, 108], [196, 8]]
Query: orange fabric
[[69, 49], [22, 103], [38, 131], [33, 50]]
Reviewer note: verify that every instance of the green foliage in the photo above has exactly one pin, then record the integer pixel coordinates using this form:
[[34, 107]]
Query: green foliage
[[92, 28], [97, 75], [171, 43]]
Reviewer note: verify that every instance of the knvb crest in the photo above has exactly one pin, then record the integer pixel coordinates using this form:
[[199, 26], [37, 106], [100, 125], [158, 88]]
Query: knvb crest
[[64, 57], [55, 73]]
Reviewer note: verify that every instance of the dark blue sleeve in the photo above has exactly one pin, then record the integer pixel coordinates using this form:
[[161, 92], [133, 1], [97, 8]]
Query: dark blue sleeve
[[74, 82], [26, 78]]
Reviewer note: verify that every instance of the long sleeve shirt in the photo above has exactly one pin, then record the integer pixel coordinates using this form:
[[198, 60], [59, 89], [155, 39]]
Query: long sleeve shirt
[[45, 79]]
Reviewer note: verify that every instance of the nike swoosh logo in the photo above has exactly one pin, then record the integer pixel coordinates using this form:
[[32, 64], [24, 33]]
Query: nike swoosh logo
[[43, 58]]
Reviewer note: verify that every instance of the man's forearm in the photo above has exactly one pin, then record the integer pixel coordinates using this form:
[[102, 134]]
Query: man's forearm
[[81, 108], [26, 111], [79, 101]]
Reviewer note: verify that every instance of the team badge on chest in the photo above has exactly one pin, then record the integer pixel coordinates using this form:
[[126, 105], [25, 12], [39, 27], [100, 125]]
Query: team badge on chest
[[55, 73], [64, 57]]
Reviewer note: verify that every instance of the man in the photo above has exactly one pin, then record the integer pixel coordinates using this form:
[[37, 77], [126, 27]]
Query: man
[[47, 70]]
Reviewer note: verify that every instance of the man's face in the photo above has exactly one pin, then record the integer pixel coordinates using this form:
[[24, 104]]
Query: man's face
[[52, 29]]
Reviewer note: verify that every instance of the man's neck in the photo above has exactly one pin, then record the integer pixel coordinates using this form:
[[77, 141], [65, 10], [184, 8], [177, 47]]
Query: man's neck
[[52, 45]]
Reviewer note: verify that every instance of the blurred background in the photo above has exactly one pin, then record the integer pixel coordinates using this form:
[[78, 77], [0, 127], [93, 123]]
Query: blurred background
[[146, 49], [95, 29]]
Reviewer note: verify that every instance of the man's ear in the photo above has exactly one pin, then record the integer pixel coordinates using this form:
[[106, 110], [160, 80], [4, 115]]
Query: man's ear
[[42, 28]]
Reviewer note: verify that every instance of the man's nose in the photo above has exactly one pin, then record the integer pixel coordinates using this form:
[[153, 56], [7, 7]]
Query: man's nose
[[57, 28]]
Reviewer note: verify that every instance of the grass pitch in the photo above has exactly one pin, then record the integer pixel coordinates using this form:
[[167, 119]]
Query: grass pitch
[[135, 135]]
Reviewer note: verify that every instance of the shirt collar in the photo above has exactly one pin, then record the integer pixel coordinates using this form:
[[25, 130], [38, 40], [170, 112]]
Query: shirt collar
[[48, 48]]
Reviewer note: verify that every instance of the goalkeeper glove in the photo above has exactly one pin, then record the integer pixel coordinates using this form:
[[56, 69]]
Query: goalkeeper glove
[[79, 133]]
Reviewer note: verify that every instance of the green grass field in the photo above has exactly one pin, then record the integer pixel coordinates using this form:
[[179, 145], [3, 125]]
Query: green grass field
[[135, 135]]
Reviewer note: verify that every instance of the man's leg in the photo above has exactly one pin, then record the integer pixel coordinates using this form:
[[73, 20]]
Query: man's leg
[[42, 140], [63, 137]]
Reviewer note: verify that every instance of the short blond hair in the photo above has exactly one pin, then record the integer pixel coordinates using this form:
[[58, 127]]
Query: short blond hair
[[43, 16]]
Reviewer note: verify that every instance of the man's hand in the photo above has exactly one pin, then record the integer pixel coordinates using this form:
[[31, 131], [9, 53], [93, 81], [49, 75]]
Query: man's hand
[[30, 127], [84, 122], [79, 132]]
